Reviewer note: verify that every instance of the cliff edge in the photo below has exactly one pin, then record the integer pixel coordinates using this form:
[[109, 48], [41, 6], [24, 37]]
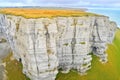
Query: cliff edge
[[44, 45]]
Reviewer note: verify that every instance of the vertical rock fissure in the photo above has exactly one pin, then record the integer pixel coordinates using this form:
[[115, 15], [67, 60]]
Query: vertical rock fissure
[[48, 45], [34, 48], [73, 42], [96, 28], [18, 25], [60, 41]]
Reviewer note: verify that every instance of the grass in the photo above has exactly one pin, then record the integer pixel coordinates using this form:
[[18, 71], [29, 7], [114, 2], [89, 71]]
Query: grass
[[42, 13], [66, 44], [49, 51], [99, 71], [82, 42], [17, 27], [3, 40], [14, 69]]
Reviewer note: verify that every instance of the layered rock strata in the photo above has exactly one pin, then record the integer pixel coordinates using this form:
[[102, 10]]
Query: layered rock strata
[[45, 45]]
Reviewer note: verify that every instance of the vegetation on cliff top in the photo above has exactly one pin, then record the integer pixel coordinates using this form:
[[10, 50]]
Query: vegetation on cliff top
[[42, 13], [99, 71]]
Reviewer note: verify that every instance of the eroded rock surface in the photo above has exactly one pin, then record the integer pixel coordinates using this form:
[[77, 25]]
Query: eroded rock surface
[[4, 51], [43, 45]]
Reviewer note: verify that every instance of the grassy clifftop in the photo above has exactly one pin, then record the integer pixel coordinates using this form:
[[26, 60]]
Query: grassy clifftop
[[38, 13], [99, 71]]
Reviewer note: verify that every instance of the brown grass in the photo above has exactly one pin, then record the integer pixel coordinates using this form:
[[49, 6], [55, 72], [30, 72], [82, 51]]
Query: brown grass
[[38, 13]]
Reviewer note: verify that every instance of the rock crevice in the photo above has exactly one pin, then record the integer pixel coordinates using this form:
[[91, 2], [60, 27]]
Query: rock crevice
[[44, 45]]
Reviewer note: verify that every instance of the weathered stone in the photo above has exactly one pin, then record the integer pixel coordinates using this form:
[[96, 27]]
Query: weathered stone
[[44, 45]]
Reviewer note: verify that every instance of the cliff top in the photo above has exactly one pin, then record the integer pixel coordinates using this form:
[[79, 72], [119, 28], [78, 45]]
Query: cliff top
[[39, 13]]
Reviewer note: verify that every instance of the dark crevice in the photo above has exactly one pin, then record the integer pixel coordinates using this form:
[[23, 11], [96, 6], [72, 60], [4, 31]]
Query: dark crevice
[[73, 42], [20, 60], [97, 30], [34, 43]]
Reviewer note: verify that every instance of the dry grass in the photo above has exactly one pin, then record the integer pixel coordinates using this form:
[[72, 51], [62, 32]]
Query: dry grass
[[38, 13]]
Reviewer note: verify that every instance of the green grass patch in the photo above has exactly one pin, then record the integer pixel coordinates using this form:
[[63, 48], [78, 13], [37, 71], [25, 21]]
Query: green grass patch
[[82, 42], [66, 44], [3, 40], [14, 69], [99, 71]]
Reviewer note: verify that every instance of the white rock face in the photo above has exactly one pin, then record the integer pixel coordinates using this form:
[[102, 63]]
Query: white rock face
[[43, 45], [4, 46], [4, 51]]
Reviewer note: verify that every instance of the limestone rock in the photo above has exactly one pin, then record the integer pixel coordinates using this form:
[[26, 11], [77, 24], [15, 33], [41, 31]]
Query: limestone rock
[[44, 45], [4, 45]]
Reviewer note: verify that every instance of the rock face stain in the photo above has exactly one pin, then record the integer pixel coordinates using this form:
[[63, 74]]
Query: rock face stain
[[44, 45]]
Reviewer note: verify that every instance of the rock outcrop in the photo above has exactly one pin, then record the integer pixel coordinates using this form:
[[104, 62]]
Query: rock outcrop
[[4, 45], [46, 44], [4, 51]]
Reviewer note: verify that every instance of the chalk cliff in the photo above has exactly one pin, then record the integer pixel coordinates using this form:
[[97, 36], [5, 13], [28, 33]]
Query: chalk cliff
[[45, 45], [4, 46]]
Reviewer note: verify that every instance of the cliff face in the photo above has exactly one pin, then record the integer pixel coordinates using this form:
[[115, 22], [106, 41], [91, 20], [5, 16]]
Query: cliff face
[[4, 51], [43, 45], [4, 46]]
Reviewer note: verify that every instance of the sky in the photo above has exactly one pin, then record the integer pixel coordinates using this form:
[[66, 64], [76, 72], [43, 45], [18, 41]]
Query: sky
[[62, 3]]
